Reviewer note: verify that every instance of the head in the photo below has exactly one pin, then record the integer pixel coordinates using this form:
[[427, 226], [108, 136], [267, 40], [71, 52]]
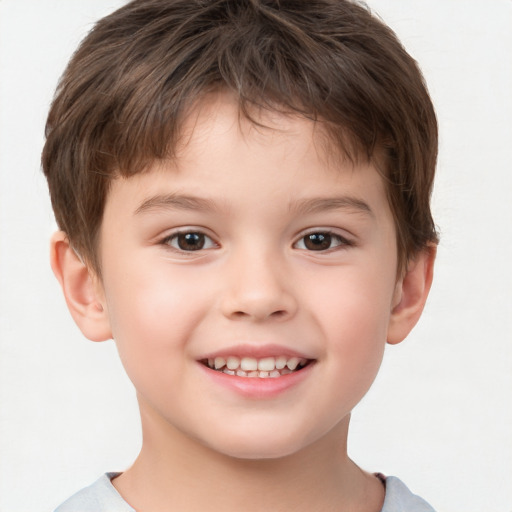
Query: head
[[244, 180], [125, 95]]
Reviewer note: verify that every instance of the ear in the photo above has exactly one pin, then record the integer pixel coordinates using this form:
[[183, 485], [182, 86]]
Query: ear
[[411, 293], [82, 289]]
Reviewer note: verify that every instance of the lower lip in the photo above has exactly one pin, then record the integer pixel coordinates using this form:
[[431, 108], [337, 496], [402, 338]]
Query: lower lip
[[255, 387]]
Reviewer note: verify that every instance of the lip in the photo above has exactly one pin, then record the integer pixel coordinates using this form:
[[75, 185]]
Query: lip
[[256, 388], [257, 351]]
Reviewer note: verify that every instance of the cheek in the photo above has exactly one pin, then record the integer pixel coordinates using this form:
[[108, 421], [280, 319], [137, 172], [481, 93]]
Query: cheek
[[354, 300], [152, 323], [352, 314], [152, 312]]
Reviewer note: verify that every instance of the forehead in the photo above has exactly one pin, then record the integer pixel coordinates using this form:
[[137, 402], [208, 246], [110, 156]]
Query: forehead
[[222, 151], [218, 113]]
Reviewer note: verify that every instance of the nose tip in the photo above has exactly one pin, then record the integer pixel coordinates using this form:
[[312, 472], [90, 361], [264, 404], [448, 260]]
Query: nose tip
[[259, 293]]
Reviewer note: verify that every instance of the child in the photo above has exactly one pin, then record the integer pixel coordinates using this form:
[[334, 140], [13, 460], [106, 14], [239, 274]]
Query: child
[[242, 188]]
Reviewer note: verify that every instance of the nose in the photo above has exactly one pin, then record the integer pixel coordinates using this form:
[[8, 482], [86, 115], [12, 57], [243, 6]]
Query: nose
[[258, 288]]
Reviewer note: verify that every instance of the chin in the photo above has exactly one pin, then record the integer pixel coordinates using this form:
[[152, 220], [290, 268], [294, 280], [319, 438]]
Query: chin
[[256, 453], [260, 447]]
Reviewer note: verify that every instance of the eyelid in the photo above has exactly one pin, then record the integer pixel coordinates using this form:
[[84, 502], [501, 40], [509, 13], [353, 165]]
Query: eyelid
[[165, 240], [345, 241]]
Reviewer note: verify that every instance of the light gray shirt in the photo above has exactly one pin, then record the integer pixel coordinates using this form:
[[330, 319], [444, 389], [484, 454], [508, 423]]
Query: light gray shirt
[[102, 496]]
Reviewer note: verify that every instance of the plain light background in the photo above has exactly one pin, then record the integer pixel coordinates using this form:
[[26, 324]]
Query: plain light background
[[440, 413]]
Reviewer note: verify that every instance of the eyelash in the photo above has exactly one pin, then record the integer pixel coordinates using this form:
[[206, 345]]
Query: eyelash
[[324, 236], [342, 242], [168, 241]]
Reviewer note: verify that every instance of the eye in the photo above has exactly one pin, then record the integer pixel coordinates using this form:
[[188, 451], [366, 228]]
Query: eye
[[321, 241], [189, 241]]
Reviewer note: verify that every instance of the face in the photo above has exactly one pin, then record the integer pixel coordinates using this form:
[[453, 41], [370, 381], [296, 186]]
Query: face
[[249, 284]]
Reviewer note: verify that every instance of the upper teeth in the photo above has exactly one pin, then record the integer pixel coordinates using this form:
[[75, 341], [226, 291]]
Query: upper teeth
[[251, 364]]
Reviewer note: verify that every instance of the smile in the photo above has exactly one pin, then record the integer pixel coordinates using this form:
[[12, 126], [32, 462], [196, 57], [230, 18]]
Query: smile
[[264, 368]]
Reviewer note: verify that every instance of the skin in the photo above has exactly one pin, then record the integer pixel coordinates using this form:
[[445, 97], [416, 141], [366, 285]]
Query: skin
[[256, 285]]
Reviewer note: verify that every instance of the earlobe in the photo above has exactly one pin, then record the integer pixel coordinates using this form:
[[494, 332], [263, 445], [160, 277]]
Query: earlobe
[[411, 294], [82, 290]]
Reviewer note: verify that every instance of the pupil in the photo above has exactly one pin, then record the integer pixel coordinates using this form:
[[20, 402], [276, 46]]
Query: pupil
[[191, 241], [318, 241]]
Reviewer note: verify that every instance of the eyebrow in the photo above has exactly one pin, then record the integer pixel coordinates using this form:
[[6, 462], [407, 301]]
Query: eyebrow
[[318, 205], [301, 207], [174, 202]]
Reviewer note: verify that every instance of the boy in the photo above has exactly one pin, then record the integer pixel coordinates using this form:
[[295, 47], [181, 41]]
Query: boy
[[242, 188]]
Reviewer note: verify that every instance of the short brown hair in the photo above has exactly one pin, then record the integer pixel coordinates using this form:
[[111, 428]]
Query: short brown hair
[[121, 101]]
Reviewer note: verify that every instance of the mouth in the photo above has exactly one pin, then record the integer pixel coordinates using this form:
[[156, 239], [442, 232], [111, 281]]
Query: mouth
[[262, 368]]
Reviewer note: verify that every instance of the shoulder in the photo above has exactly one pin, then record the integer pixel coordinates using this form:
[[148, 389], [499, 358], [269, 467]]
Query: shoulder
[[101, 496], [400, 499]]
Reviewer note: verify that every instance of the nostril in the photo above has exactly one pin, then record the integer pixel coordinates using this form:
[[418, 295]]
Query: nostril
[[281, 313]]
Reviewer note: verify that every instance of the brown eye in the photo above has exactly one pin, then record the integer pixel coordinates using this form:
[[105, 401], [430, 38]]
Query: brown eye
[[318, 241], [190, 241], [322, 241]]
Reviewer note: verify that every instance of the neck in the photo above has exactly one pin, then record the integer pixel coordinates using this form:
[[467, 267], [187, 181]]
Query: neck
[[175, 472]]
